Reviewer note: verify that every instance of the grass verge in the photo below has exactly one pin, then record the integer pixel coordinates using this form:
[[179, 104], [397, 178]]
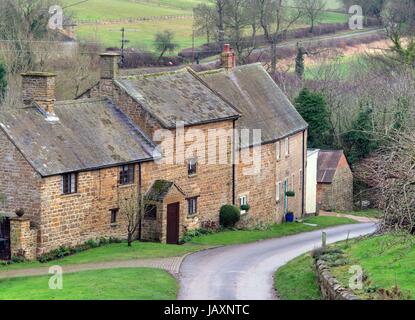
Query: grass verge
[[115, 252], [387, 261], [275, 231], [124, 284], [297, 280]]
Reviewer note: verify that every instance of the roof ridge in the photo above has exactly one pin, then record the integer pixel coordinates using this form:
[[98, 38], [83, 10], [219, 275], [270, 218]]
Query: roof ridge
[[84, 100], [203, 82], [148, 75]]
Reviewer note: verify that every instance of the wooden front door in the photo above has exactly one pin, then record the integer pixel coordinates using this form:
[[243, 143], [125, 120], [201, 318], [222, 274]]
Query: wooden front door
[[4, 239], [173, 223]]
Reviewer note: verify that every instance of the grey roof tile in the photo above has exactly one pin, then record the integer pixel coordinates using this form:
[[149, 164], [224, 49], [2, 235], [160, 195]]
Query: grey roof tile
[[177, 96], [260, 101], [90, 134]]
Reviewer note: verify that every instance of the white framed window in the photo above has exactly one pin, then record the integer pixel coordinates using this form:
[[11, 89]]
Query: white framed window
[[192, 206], [243, 201], [70, 183], [278, 192], [192, 167], [278, 150], [287, 146]]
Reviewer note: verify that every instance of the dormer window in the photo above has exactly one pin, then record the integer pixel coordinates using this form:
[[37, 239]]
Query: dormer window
[[70, 183], [192, 167]]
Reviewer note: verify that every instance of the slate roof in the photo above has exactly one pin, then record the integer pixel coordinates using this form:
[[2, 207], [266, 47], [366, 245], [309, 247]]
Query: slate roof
[[177, 96], [160, 189], [327, 165], [260, 101], [90, 134]]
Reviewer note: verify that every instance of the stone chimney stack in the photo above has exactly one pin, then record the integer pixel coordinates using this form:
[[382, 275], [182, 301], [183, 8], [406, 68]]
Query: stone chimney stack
[[39, 87], [228, 57], [109, 65]]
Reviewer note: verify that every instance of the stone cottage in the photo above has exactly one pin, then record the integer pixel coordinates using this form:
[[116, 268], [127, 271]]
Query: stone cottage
[[169, 138], [334, 182]]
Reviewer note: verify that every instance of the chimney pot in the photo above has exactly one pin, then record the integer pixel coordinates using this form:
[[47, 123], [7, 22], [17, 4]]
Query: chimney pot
[[109, 65], [228, 57], [39, 87]]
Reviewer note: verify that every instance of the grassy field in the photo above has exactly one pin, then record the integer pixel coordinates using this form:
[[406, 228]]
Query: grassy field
[[387, 261], [141, 34], [276, 231], [297, 280], [112, 284], [145, 250], [344, 67], [115, 252]]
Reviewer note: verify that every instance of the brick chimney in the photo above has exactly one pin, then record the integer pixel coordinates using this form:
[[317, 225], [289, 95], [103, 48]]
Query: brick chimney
[[228, 57], [109, 65], [39, 87]]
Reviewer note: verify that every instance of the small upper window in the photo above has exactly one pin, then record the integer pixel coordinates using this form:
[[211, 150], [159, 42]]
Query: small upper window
[[192, 167], [127, 174], [70, 183], [192, 205], [287, 147], [278, 150]]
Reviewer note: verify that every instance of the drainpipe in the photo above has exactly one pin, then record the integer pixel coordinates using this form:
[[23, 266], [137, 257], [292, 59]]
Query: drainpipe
[[140, 185], [234, 165], [303, 178]]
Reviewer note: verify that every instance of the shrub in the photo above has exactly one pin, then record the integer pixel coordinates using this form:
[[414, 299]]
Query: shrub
[[63, 252], [189, 235], [229, 216]]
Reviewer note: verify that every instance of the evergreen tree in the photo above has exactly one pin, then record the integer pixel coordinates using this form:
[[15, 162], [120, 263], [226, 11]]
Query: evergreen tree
[[313, 108], [361, 139], [3, 81], [299, 62]]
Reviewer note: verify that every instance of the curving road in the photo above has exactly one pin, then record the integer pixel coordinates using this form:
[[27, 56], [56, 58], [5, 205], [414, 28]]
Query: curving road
[[245, 272]]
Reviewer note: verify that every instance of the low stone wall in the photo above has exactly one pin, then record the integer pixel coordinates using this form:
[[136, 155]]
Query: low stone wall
[[331, 289]]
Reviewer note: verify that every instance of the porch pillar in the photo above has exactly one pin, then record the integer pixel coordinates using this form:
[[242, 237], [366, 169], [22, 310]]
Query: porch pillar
[[23, 239]]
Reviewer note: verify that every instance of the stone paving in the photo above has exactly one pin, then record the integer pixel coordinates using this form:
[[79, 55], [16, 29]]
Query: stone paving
[[171, 265]]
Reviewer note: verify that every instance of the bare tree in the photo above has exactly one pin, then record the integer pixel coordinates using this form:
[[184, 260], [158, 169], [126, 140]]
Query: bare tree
[[399, 21], [276, 19], [133, 208], [205, 21], [220, 22], [313, 10], [24, 24], [391, 175]]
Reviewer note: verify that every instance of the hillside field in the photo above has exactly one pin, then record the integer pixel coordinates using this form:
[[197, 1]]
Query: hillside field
[[95, 19]]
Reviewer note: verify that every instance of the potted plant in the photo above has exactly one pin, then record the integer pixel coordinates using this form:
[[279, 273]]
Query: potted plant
[[19, 213], [289, 217], [290, 194], [245, 207]]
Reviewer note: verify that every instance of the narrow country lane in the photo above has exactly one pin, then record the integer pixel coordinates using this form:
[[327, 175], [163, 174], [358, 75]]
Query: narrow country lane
[[245, 272]]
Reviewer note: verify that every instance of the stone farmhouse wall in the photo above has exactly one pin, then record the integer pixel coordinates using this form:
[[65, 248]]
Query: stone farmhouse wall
[[19, 182], [212, 183], [261, 189], [339, 194], [75, 218]]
